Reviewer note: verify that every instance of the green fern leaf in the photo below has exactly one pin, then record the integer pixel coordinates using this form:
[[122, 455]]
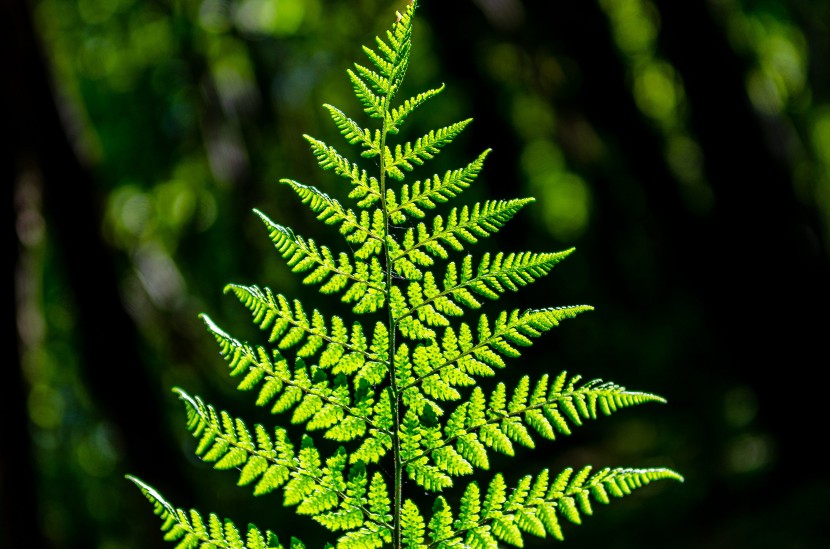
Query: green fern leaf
[[363, 538], [398, 391], [425, 148], [288, 326], [358, 230], [494, 499], [354, 133], [362, 282], [412, 526], [492, 277], [535, 508], [189, 529], [430, 192], [441, 526], [373, 104], [366, 189], [465, 224], [220, 444], [479, 424], [463, 357], [398, 114]]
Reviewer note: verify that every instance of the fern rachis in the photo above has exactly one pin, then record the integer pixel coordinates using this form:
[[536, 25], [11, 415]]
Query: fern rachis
[[403, 387]]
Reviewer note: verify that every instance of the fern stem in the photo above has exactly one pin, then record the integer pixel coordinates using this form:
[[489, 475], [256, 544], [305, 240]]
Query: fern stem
[[393, 384]]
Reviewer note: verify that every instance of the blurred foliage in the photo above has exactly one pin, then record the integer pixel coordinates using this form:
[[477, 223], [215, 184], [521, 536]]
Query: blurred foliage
[[186, 113]]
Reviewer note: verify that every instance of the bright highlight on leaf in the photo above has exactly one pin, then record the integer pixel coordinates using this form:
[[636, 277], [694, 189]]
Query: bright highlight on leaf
[[395, 385]]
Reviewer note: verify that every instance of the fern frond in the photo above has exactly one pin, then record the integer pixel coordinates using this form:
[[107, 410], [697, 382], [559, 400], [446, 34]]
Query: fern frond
[[481, 423], [429, 462], [364, 229], [466, 224], [344, 350], [432, 374], [465, 356], [536, 507], [375, 89], [413, 436], [374, 105], [378, 442], [440, 527], [317, 400], [393, 59], [362, 283], [424, 148], [406, 394], [497, 273], [428, 193], [377, 82], [493, 277], [320, 491], [342, 509], [228, 443], [366, 189], [354, 134], [398, 114], [365, 537], [190, 530]]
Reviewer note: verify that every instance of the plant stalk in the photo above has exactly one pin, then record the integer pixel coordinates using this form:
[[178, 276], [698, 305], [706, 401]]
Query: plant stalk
[[391, 328]]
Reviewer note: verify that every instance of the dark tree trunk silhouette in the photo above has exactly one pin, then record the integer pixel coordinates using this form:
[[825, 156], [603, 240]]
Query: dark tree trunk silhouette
[[111, 360], [19, 509]]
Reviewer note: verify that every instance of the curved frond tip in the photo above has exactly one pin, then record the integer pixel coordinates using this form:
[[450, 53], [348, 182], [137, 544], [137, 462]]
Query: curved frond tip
[[190, 529]]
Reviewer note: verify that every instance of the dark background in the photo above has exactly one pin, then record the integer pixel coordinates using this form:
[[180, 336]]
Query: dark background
[[682, 147]]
